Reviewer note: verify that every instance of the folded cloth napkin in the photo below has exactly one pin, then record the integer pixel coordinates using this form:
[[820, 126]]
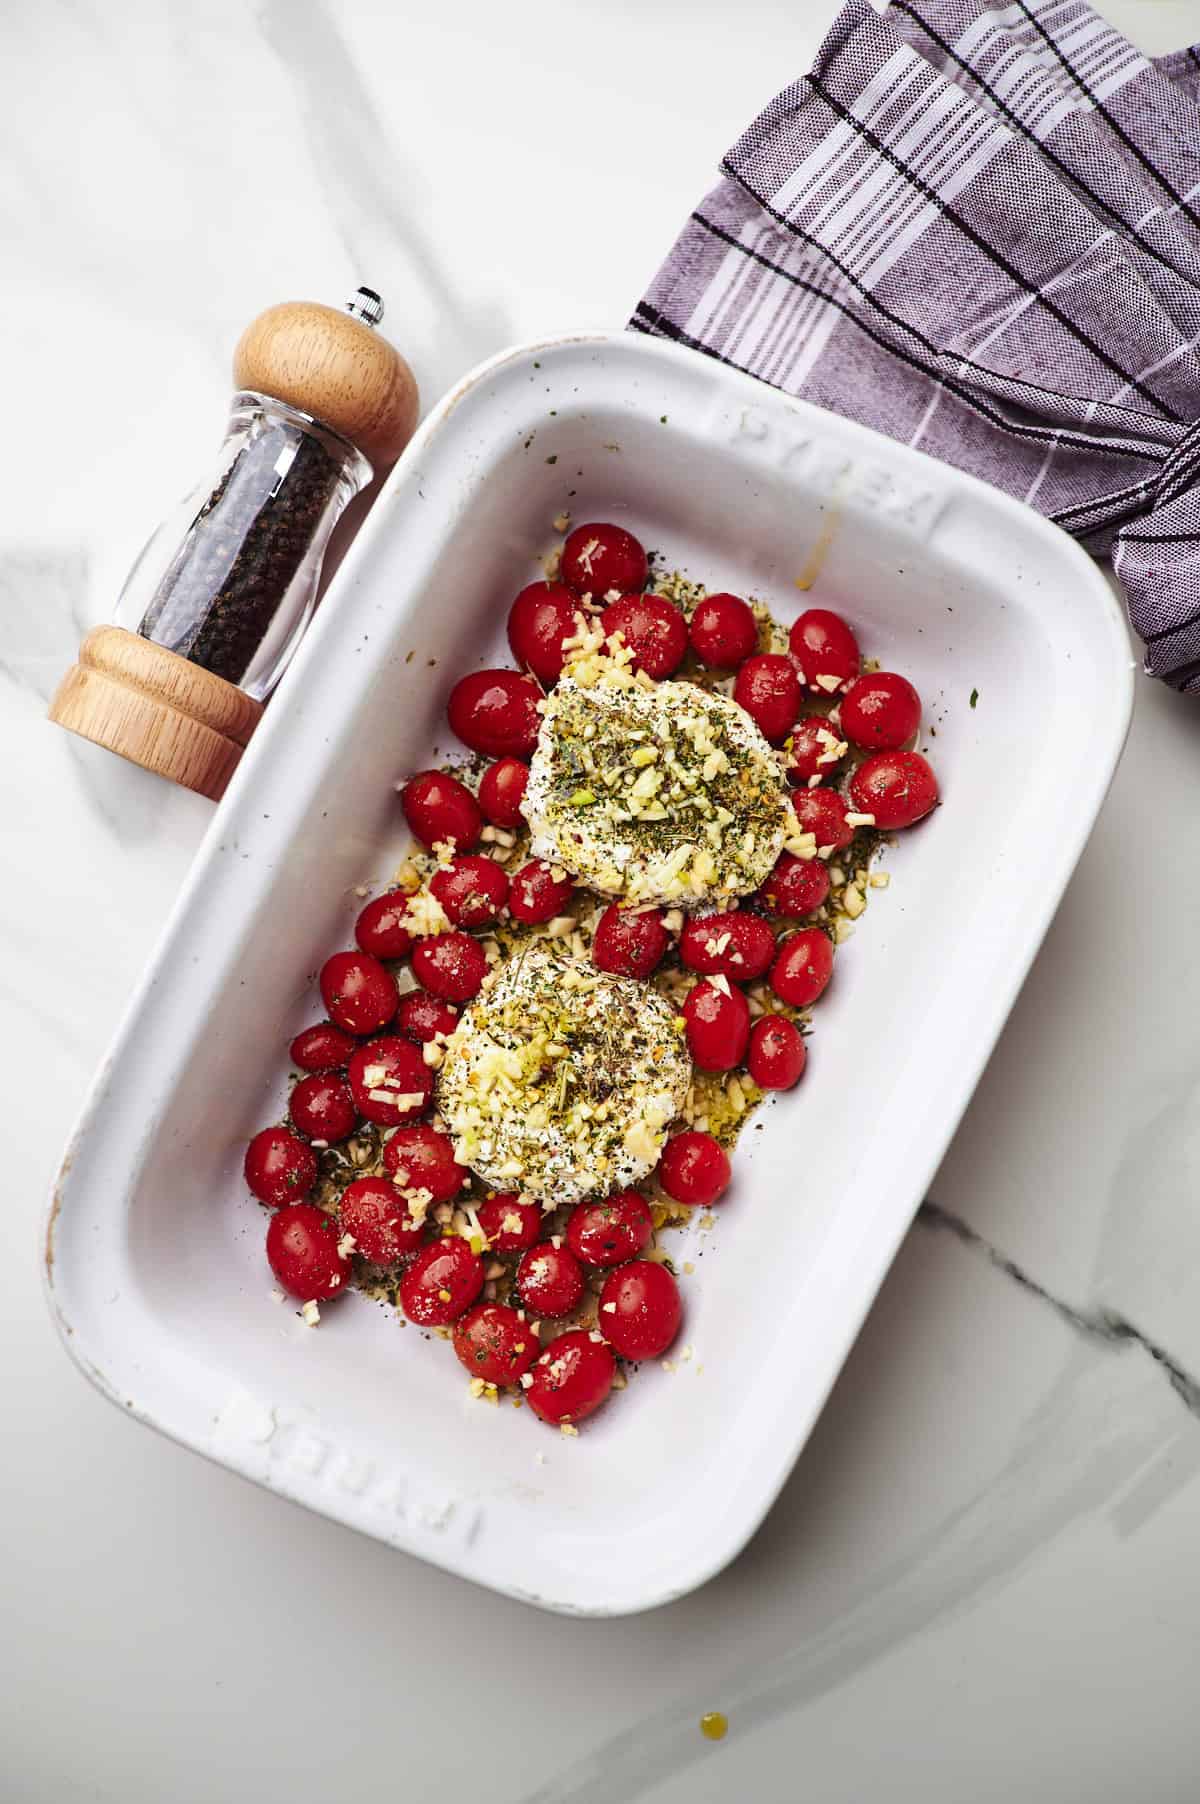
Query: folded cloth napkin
[[979, 231]]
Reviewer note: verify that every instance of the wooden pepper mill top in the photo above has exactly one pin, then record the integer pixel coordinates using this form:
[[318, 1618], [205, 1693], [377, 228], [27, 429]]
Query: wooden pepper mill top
[[331, 364], [206, 632]]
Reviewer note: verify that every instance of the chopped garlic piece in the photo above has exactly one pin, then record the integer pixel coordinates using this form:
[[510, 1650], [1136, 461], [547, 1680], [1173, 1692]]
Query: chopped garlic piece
[[424, 917]]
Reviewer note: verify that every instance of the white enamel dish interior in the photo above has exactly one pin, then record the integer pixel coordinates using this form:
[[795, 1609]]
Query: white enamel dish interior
[[157, 1272]]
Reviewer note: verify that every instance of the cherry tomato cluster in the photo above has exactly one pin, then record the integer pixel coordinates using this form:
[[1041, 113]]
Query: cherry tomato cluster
[[876, 714], [368, 1062]]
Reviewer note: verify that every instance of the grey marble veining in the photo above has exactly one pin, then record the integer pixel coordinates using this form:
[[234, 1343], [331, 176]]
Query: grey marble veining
[[1101, 1324]]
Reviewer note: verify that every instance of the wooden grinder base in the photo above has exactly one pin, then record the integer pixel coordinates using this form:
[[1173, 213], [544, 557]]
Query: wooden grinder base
[[151, 706]]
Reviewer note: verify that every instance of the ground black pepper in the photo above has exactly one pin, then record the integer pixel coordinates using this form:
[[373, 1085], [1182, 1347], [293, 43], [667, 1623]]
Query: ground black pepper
[[216, 602]]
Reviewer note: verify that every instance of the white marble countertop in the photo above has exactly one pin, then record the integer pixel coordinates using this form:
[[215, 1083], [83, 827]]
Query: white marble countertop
[[982, 1581]]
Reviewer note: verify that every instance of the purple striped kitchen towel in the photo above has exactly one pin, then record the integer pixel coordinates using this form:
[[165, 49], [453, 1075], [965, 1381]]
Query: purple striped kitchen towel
[[979, 231]]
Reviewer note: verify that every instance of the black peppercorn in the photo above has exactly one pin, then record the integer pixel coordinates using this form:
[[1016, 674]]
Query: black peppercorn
[[216, 601]]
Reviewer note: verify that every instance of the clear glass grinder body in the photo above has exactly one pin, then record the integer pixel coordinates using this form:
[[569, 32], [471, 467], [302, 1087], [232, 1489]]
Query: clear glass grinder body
[[229, 581]]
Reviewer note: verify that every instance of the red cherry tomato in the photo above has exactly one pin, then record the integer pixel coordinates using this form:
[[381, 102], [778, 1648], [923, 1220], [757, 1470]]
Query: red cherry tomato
[[880, 711], [796, 887], [549, 1279], [768, 688], [496, 712], [542, 616], [440, 808], [822, 812], [390, 1081], [322, 1048], [322, 1107], [422, 1158], [640, 1310], [655, 632], [823, 646], [422, 1016], [777, 1054], [450, 965], [373, 1210], [381, 928], [501, 789], [536, 895], [694, 1169], [817, 750], [718, 1025], [723, 632], [472, 890], [572, 1378], [302, 1251], [494, 1343], [629, 942], [898, 788], [359, 993], [803, 967], [510, 1224], [610, 1232], [737, 945], [443, 1280], [279, 1167], [599, 558]]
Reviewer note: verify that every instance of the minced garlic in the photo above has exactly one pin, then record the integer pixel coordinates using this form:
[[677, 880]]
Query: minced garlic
[[654, 792], [562, 1080], [425, 916]]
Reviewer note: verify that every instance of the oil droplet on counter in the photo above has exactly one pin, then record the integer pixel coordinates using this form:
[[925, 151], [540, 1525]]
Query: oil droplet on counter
[[713, 1725]]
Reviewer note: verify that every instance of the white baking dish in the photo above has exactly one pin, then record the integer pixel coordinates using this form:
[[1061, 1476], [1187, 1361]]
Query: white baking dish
[[155, 1257]]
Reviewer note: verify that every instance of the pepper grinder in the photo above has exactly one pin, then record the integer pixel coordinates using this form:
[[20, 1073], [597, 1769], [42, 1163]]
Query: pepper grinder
[[216, 603]]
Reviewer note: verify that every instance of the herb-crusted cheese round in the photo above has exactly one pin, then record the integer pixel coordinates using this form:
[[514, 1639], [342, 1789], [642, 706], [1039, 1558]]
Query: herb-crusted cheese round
[[560, 1080], [662, 793]]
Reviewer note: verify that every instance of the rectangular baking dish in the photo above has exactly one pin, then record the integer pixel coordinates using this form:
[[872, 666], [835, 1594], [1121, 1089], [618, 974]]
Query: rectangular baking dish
[[154, 1255]]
